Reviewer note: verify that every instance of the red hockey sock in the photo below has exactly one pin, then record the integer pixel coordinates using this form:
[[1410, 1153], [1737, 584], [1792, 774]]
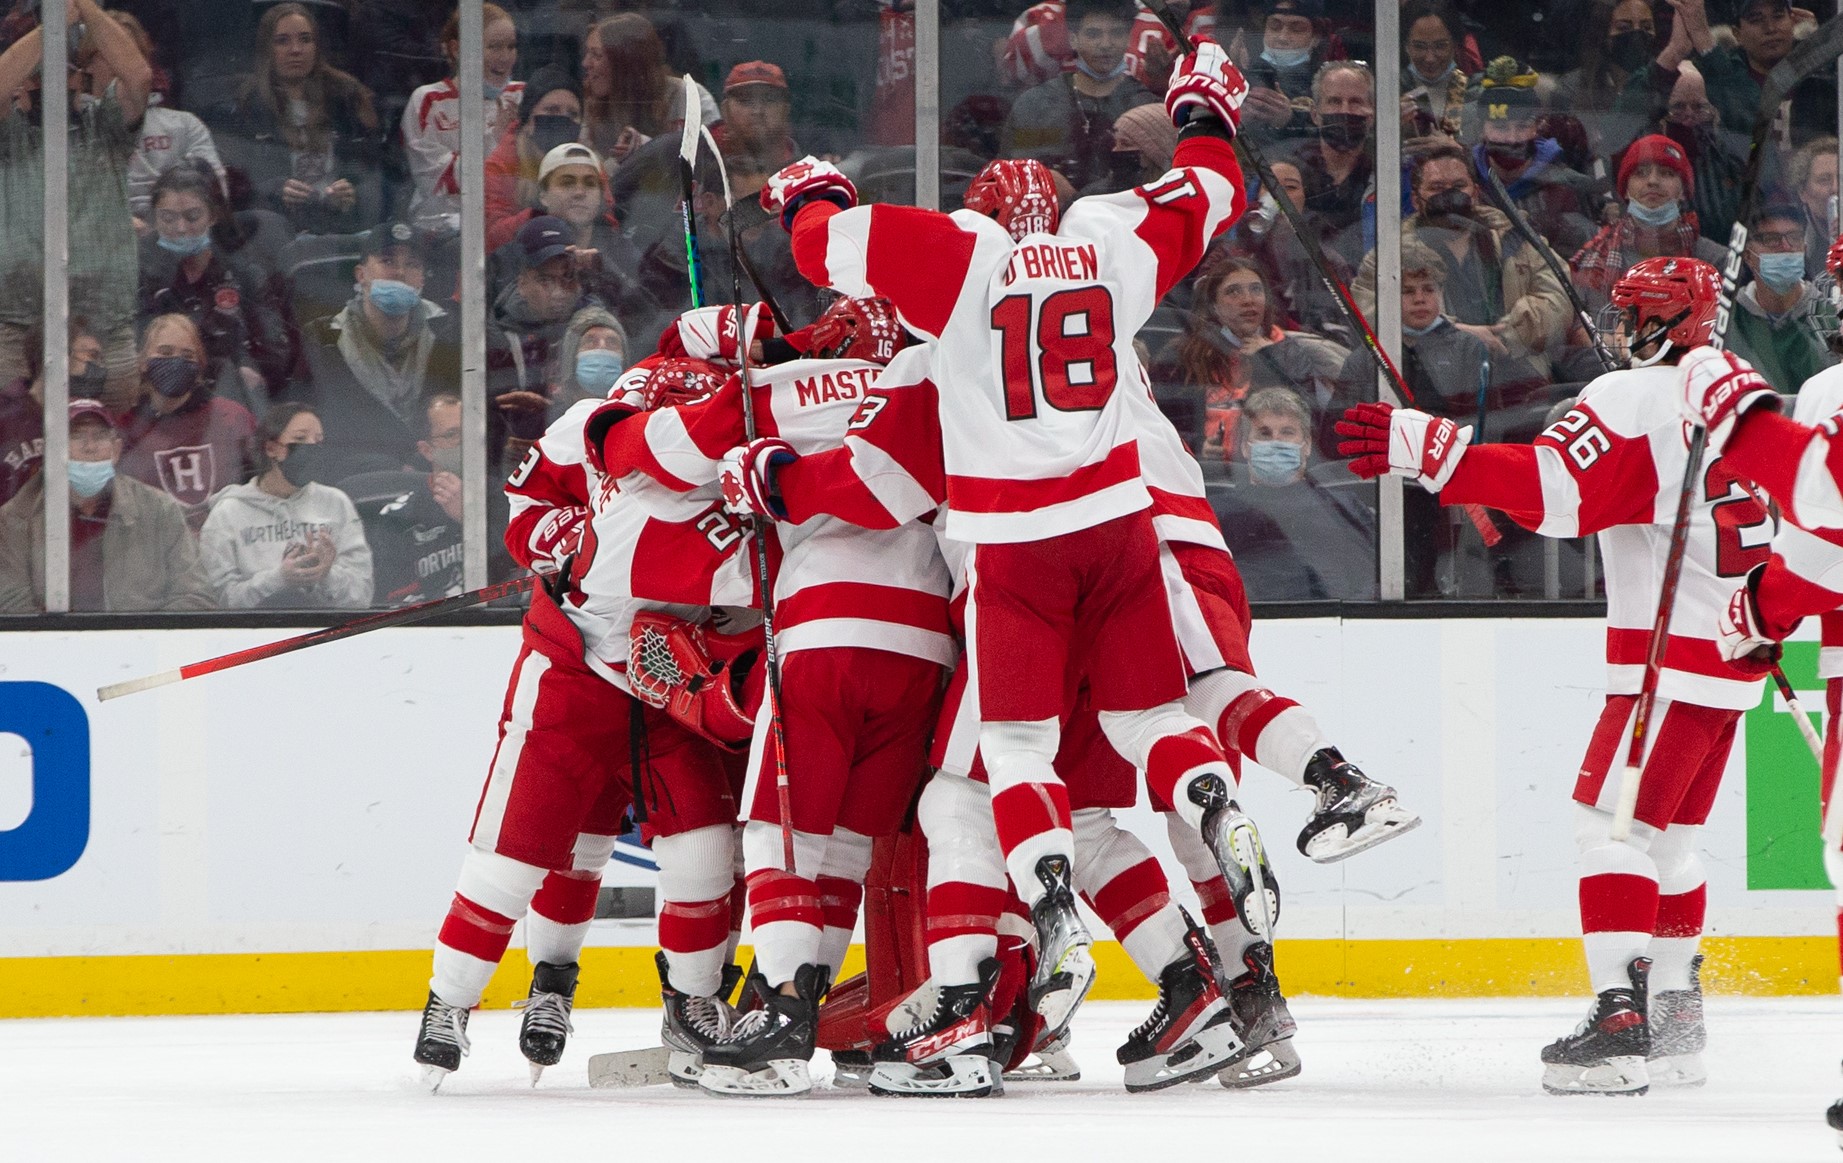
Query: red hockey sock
[[473, 939], [1032, 820], [1618, 916], [1679, 935], [694, 936], [962, 929], [1176, 760], [1136, 904]]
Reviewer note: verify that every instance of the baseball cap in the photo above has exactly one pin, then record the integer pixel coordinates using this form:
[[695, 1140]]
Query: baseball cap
[[386, 235], [570, 153], [755, 73], [543, 238], [91, 410], [1310, 9]]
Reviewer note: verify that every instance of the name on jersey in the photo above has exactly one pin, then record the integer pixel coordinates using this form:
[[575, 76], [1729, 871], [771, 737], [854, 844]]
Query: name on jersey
[[850, 384], [1042, 261]]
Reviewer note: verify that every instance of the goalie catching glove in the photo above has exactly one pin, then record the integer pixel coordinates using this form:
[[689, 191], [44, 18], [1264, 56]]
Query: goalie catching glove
[[1718, 386], [1206, 83], [747, 477], [694, 674], [1381, 438], [804, 181]]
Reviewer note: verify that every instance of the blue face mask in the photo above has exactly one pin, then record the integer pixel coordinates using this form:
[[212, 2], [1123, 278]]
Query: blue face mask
[[393, 298], [1118, 70], [186, 245], [492, 91], [1662, 216], [89, 477], [1286, 58], [1274, 462], [596, 371], [1417, 332], [1430, 82], [1782, 272]]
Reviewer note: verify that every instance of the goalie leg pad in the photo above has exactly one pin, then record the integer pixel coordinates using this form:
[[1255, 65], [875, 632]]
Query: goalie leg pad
[[693, 674]]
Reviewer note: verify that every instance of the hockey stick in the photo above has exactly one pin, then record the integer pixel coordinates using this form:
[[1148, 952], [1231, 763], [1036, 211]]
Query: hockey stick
[[738, 254], [362, 625], [627, 1068], [1799, 716], [1252, 157], [1822, 46], [1500, 197], [687, 177]]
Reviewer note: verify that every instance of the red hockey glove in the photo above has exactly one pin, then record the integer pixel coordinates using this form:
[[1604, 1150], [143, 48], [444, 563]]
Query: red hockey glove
[[1402, 442], [747, 477], [1718, 386], [1739, 632], [1206, 82], [809, 178]]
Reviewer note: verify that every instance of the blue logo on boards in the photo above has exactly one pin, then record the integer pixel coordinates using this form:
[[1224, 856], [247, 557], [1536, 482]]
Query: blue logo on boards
[[56, 831]]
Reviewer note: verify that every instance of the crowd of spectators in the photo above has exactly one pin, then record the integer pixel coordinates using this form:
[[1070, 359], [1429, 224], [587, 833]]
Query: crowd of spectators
[[265, 206]]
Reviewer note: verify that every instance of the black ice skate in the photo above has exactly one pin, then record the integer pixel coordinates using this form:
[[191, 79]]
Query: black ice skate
[[1065, 967], [1354, 812], [1834, 1116], [691, 1025], [1049, 1061], [442, 1041], [1190, 1033], [1606, 1054], [1677, 1034], [1263, 1022], [769, 1050], [1235, 843], [545, 1028], [946, 1053]]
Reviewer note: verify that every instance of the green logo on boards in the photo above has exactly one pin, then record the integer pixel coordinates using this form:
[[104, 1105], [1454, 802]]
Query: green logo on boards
[[1783, 850]]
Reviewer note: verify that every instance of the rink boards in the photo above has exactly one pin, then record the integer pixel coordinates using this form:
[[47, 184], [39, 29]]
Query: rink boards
[[285, 837]]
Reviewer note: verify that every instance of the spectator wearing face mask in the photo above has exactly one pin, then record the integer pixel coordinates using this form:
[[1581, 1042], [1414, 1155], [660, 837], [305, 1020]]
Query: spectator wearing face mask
[[1067, 122], [181, 436], [1558, 202], [130, 549], [22, 408], [1654, 181], [1298, 533], [1619, 40], [370, 365], [1773, 328], [287, 540], [549, 115], [416, 536], [530, 320], [1337, 167], [1434, 87], [1280, 75]]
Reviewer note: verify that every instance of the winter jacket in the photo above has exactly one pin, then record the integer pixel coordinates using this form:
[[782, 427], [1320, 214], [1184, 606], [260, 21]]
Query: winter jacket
[[1786, 350], [250, 138], [149, 560], [249, 530], [236, 308], [1441, 368], [1559, 203], [511, 176], [1312, 540], [372, 418], [192, 453]]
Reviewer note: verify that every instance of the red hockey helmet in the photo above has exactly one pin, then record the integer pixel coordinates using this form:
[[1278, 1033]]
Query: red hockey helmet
[[1670, 301], [1019, 194], [857, 329], [680, 381]]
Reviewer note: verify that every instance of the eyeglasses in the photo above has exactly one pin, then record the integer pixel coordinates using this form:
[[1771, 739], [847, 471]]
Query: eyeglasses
[[1779, 239]]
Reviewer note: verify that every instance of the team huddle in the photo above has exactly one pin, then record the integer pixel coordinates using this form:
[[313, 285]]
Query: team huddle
[[891, 613]]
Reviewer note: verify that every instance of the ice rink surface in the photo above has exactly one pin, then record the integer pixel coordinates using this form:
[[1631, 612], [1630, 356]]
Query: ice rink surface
[[1383, 1080]]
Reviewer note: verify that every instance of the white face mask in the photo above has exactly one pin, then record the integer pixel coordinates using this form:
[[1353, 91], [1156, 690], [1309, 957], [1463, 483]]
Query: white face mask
[[1286, 58]]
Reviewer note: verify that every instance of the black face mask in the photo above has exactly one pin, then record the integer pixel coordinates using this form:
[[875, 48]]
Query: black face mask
[[1631, 51], [87, 384], [1345, 131], [173, 376], [1448, 204], [550, 130], [1509, 155], [306, 464]]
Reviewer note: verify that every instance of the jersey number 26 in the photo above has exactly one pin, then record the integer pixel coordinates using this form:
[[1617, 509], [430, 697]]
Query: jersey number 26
[[1075, 364]]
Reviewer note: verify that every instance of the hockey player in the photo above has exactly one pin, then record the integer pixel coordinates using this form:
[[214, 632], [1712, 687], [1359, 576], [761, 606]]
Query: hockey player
[[577, 750], [863, 638], [1038, 464], [1611, 466]]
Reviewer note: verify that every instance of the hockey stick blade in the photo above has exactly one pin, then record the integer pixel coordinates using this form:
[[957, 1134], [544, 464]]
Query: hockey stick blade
[[630, 1068]]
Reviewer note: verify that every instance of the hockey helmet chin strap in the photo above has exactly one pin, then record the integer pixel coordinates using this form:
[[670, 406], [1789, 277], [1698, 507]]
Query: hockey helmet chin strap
[[1660, 335]]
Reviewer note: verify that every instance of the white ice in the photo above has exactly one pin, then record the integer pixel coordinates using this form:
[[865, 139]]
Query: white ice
[[1383, 1080]]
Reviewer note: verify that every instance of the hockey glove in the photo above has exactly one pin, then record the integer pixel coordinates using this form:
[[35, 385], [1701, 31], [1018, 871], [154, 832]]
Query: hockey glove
[[747, 477], [1718, 386], [802, 182], [1740, 635], [1206, 83], [1382, 439], [711, 333]]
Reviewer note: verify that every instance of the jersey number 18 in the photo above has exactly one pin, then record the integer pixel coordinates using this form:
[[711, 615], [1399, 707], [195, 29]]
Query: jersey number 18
[[1075, 363]]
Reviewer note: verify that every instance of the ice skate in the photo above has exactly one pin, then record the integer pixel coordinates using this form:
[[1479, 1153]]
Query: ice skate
[[546, 1027], [1190, 1033], [691, 1025], [442, 1041], [851, 1069], [1834, 1116], [1236, 844], [1263, 1022], [1049, 1061], [1354, 812], [947, 1053], [1677, 1034], [769, 1051], [1606, 1055], [1065, 967]]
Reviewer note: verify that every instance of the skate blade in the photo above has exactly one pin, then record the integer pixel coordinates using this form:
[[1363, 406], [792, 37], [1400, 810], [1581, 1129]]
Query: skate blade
[[537, 1072], [1047, 1066], [1057, 1003], [781, 1078], [1615, 1076], [1682, 1070], [850, 1075], [956, 1076], [1258, 907], [1275, 1061], [623, 1068], [1194, 1059], [1333, 845], [432, 1077]]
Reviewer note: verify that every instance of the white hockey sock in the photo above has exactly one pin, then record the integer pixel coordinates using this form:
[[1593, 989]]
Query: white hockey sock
[[1030, 805], [696, 876], [966, 878], [1682, 902], [491, 894], [1618, 896], [841, 894], [1270, 729], [1232, 938], [1123, 883]]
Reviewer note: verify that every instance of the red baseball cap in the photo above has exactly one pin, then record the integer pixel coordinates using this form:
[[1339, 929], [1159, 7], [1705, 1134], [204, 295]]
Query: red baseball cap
[[755, 73], [91, 410]]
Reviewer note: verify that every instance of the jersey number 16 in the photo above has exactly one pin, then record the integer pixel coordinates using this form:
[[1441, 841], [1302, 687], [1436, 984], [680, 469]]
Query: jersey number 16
[[1075, 362]]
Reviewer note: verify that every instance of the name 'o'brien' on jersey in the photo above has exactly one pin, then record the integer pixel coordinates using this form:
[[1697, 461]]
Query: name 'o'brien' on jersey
[[1034, 360]]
